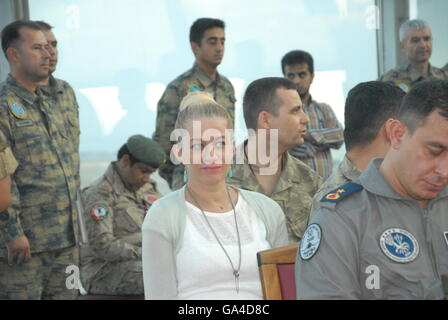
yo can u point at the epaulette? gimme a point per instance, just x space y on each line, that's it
342 192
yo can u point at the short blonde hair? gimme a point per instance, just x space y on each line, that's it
195 97
202 109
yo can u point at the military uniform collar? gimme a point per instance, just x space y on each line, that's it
291 173
415 75
202 77
242 171
52 86
373 181
348 170
114 178
119 186
21 91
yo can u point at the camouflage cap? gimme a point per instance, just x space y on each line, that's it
146 150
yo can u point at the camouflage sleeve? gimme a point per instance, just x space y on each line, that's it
8 163
10 226
99 217
167 110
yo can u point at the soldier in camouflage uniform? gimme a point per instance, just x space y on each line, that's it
114 209
8 165
416 43
62 95
270 104
369 106
39 232
207 42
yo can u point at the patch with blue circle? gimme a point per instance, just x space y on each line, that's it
399 245
17 109
310 241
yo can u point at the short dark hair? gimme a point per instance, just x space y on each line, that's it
298 57
367 108
125 151
11 33
201 25
43 25
261 95
424 98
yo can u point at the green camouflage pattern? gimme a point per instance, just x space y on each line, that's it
294 191
406 77
114 250
63 95
345 172
168 107
24 281
8 163
44 184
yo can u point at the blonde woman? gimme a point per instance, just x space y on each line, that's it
200 242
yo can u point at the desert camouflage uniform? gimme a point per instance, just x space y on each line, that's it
405 77
168 107
345 172
294 191
44 189
111 263
8 163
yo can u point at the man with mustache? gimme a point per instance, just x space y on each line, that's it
416 43
207 41
324 130
385 236
39 231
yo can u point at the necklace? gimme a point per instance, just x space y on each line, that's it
236 271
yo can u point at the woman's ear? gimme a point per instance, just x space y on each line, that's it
176 154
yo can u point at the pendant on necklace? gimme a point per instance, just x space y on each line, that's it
236 273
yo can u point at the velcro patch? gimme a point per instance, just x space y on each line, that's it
99 212
343 192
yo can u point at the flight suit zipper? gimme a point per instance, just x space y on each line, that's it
428 232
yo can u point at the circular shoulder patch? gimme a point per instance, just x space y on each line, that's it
399 245
99 212
17 109
310 241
